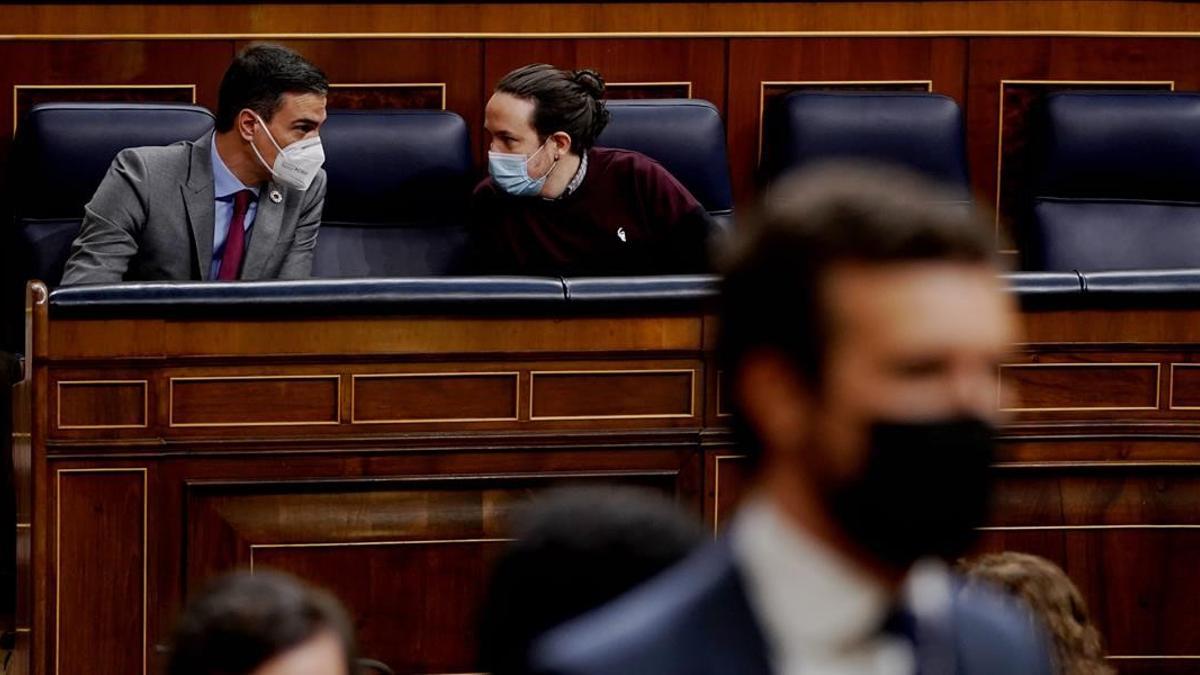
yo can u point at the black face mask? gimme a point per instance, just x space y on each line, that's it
923 491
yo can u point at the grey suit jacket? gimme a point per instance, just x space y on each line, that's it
152 219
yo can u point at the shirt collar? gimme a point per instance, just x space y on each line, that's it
225 184
812 599
577 179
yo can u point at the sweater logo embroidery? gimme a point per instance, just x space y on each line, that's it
621 233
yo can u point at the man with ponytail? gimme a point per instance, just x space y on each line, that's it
556 204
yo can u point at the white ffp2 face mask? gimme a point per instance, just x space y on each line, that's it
296 166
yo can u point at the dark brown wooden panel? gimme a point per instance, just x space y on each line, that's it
410 557
423 626
641 90
599 394
1185 386
251 400
761 65
376 96
414 96
1084 496
425 397
101 571
608 16
1080 387
108 404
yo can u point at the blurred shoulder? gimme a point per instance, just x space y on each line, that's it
997 634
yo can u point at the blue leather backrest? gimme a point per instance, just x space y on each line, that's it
399 182
920 132
63 151
686 136
1119 182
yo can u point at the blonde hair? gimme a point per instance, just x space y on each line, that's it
1054 599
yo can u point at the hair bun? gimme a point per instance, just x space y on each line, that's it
591 81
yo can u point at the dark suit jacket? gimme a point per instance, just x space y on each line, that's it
695 619
152 219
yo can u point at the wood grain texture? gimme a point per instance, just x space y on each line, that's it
503 17
101 572
1111 493
409 558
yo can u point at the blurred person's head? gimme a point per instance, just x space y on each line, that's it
263 623
575 549
862 324
539 116
271 99
1055 601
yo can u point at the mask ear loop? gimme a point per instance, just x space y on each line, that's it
553 166
254 147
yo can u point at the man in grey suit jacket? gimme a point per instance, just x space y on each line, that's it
241 203
862 328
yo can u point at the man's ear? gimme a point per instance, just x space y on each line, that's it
244 124
774 401
561 142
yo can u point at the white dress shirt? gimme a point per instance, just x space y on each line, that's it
820 613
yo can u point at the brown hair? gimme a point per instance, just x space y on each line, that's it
563 100
1054 599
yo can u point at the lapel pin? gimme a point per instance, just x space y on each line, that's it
276 197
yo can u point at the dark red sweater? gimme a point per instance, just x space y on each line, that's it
629 216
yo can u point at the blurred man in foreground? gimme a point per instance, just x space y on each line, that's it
574 550
262 624
862 329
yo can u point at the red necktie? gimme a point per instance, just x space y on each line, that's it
235 241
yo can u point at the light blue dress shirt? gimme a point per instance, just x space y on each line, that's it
225 186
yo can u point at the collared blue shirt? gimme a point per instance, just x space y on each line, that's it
225 186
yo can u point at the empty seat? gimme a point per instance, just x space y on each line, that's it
917 131
686 136
399 182
1118 186
62 152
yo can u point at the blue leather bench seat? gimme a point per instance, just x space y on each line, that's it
916 131
1119 184
64 151
686 136
399 183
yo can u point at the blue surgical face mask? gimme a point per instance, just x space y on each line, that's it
510 172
